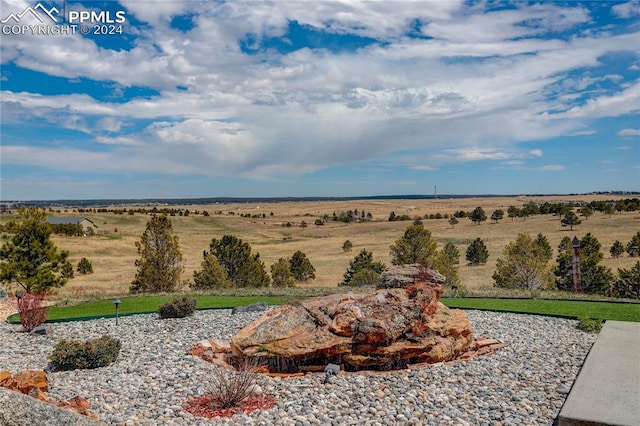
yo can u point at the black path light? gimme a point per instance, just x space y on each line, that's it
116 302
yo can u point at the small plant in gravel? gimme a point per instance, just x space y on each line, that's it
231 392
230 388
70 354
177 308
589 325
32 311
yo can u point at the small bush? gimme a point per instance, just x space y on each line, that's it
32 311
177 308
364 278
69 354
84 266
230 388
589 325
627 283
3 293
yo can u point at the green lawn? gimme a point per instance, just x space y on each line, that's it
565 308
145 304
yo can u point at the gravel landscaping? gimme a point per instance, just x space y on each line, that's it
153 379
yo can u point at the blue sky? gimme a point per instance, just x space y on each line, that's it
312 98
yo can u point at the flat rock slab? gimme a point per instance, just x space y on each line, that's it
17 409
607 390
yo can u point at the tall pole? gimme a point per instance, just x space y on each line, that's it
575 266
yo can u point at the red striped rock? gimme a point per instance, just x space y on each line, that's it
386 329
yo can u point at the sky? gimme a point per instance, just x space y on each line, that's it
183 99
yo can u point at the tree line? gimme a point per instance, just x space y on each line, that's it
30 260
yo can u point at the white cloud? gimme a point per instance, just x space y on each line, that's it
266 114
423 167
109 124
628 9
551 168
629 132
624 102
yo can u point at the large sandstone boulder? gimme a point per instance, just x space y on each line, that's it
387 329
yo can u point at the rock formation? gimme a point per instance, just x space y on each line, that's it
35 383
385 329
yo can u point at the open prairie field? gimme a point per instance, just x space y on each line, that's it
113 253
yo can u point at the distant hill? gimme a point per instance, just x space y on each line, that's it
228 200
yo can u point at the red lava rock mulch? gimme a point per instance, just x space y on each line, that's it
202 406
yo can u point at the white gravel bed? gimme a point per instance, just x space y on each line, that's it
153 378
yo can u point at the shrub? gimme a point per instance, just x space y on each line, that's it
589 325
3 293
84 266
281 274
627 283
70 354
230 388
177 308
32 311
633 246
364 277
211 275
363 261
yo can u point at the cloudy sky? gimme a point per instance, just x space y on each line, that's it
319 98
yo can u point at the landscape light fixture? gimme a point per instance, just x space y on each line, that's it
116 302
330 370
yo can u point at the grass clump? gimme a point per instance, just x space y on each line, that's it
177 308
231 388
589 325
70 354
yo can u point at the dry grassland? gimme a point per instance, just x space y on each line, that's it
113 253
